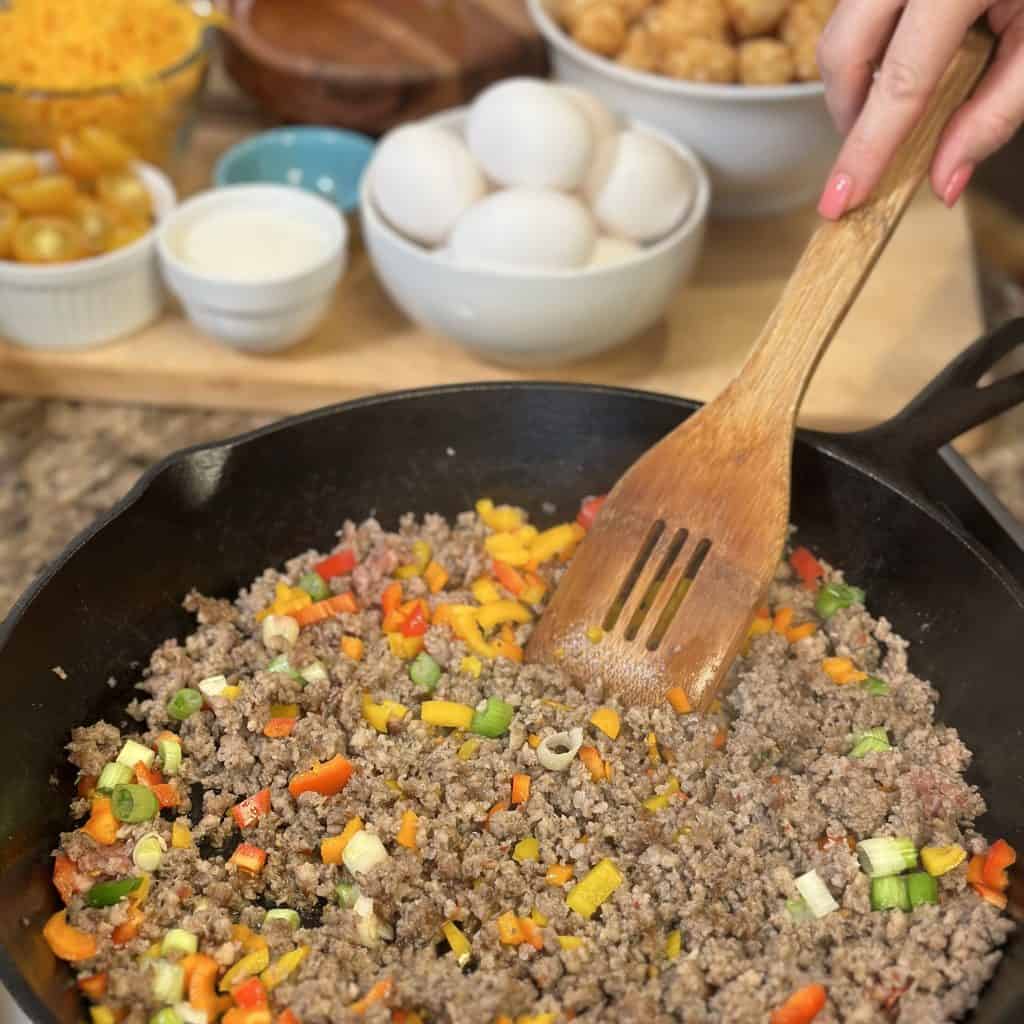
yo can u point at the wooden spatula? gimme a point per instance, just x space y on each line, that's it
663 589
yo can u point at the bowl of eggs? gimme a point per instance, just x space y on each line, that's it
735 79
533 227
78 260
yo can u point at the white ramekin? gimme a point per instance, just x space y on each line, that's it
92 301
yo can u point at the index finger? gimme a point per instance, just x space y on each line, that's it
925 41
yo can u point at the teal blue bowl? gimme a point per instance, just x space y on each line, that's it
328 162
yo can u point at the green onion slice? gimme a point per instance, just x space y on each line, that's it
282 664
876 687
921 889
833 596
177 940
149 852
869 742
346 894
425 672
494 720
168 982
816 895
113 774
133 804
213 686
886 855
286 914
315 585
798 909
314 672
106 894
132 753
184 703
169 753
166 1016
889 894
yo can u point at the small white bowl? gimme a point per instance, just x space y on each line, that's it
767 148
92 301
263 314
536 318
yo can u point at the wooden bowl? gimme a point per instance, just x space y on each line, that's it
371 64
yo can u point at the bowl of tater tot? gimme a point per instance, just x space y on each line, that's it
737 80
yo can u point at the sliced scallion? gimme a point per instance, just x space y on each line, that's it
286 914
213 686
870 742
798 909
149 852
494 720
921 889
889 894
314 673
886 855
363 852
346 894
184 703
113 774
187 1015
177 940
876 687
134 803
833 596
816 895
426 673
282 664
168 1016
133 752
556 752
168 982
106 894
169 753
315 585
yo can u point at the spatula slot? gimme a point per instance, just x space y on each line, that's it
679 592
647 601
641 560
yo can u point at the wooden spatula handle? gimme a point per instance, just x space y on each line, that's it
840 255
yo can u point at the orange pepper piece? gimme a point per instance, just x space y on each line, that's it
327 779
999 857
66 942
102 825
377 992
407 831
802 1006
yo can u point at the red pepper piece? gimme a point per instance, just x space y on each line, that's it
416 621
589 509
338 564
806 566
249 994
250 810
999 857
248 858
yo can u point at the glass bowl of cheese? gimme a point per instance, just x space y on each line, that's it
134 67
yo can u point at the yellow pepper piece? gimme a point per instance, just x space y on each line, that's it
421 554
759 627
534 740
406 572
653 753
506 548
467 629
594 888
154 951
938 860
181 836
446 713
458 942
608 721
842 671
283 966
536 1018
230 692
501 518
248 938
471 665
436 577
138 897
393 785
674 944
252 963
527 849
556 541
533 592
656 803
570 941
595 634
102 1015
378 715
286 601
538 918
468 749
495 614
486 590
284 710
405 647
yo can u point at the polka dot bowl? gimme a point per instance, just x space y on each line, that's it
328 162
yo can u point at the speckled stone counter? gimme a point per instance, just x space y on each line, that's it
63 463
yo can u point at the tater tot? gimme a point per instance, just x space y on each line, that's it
701 60
765 62
680 20
601 28
755 17
799 24
821 9
805 59
640 53
570 11
632 9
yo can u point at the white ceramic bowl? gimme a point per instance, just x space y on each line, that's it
767 148
88 302
528 318
256 315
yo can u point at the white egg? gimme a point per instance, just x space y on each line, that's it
525 229
603 123
422 180
526 132
638 187
609 250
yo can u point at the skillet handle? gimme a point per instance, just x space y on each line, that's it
949 406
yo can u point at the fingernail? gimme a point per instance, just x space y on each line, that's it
957 183
836 196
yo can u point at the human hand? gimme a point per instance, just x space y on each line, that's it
912 42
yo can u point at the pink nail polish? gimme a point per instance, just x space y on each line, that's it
957 183
836 196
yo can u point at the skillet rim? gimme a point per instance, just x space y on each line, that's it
18 987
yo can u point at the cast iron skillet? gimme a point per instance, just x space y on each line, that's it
215 516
